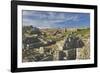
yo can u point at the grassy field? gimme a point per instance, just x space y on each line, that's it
50 44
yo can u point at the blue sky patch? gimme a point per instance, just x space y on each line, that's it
49 19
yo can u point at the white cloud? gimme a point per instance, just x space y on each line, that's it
38 23
46 19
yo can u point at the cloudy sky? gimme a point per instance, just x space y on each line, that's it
48 19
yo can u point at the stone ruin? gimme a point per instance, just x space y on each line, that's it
72 43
